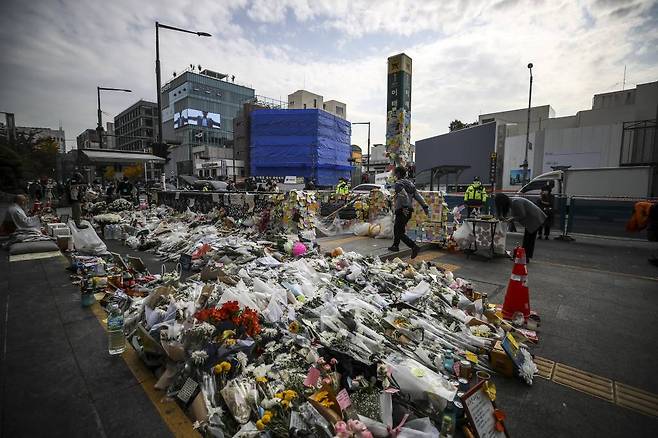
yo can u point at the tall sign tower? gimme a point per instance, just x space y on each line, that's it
398 110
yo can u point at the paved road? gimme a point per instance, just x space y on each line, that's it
597 299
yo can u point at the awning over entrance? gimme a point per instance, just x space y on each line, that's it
112 156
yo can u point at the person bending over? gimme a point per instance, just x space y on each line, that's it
526 213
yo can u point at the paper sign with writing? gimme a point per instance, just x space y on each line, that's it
312 377
343 399
480 411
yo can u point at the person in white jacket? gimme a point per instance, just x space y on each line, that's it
22 221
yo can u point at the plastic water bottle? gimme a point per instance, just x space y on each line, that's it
116 339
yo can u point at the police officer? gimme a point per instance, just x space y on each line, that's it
342 188
475 196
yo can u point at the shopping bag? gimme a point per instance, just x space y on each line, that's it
85 240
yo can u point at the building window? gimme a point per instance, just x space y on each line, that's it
315 103
638 143
339 110
324 106
304 106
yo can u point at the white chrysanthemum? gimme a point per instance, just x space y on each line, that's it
199 357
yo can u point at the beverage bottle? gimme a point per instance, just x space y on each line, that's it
116 339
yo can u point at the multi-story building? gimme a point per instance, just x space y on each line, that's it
136 127
88 139
618 130
197 116
336 108
302 99
41 133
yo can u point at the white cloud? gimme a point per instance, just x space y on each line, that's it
472 58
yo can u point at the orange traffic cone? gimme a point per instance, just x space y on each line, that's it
517 298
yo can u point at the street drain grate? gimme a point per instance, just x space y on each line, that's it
583 381
636 399
545 367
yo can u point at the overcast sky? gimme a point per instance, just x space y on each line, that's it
469 56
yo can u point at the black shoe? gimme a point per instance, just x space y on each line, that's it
414 252
394 248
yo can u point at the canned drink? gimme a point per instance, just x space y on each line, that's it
463 384
465 369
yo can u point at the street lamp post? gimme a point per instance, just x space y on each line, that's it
527 131
368 159
157 72
99 128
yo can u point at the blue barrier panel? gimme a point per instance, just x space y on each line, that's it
603 217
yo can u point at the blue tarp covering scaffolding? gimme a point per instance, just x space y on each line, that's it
311 143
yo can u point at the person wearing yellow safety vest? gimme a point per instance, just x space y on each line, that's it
475 196
342 188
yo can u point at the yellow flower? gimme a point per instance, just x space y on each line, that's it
293 327
228 334
279 395
289 394
326 403
217 369
230 342
285 403
261 379
321 395
266 418
260 425
226 366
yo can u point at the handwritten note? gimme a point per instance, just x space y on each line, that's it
481 412
343 399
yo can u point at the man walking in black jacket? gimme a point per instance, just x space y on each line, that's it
405 193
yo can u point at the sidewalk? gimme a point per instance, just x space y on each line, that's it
57 376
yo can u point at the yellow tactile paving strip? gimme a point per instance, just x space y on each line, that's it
178 423
636 399
545 367
583 381
588 383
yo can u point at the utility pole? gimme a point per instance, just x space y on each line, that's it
527 131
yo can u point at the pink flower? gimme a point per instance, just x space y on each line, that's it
333 361
326 381
321 360
327 367
341 430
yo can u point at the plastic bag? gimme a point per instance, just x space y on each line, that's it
361 229
464 235
85 240
237 394
386 224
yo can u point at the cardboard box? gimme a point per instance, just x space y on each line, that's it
500 361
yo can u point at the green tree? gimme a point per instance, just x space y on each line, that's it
456 125
43 157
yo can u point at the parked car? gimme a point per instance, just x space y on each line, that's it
367 187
